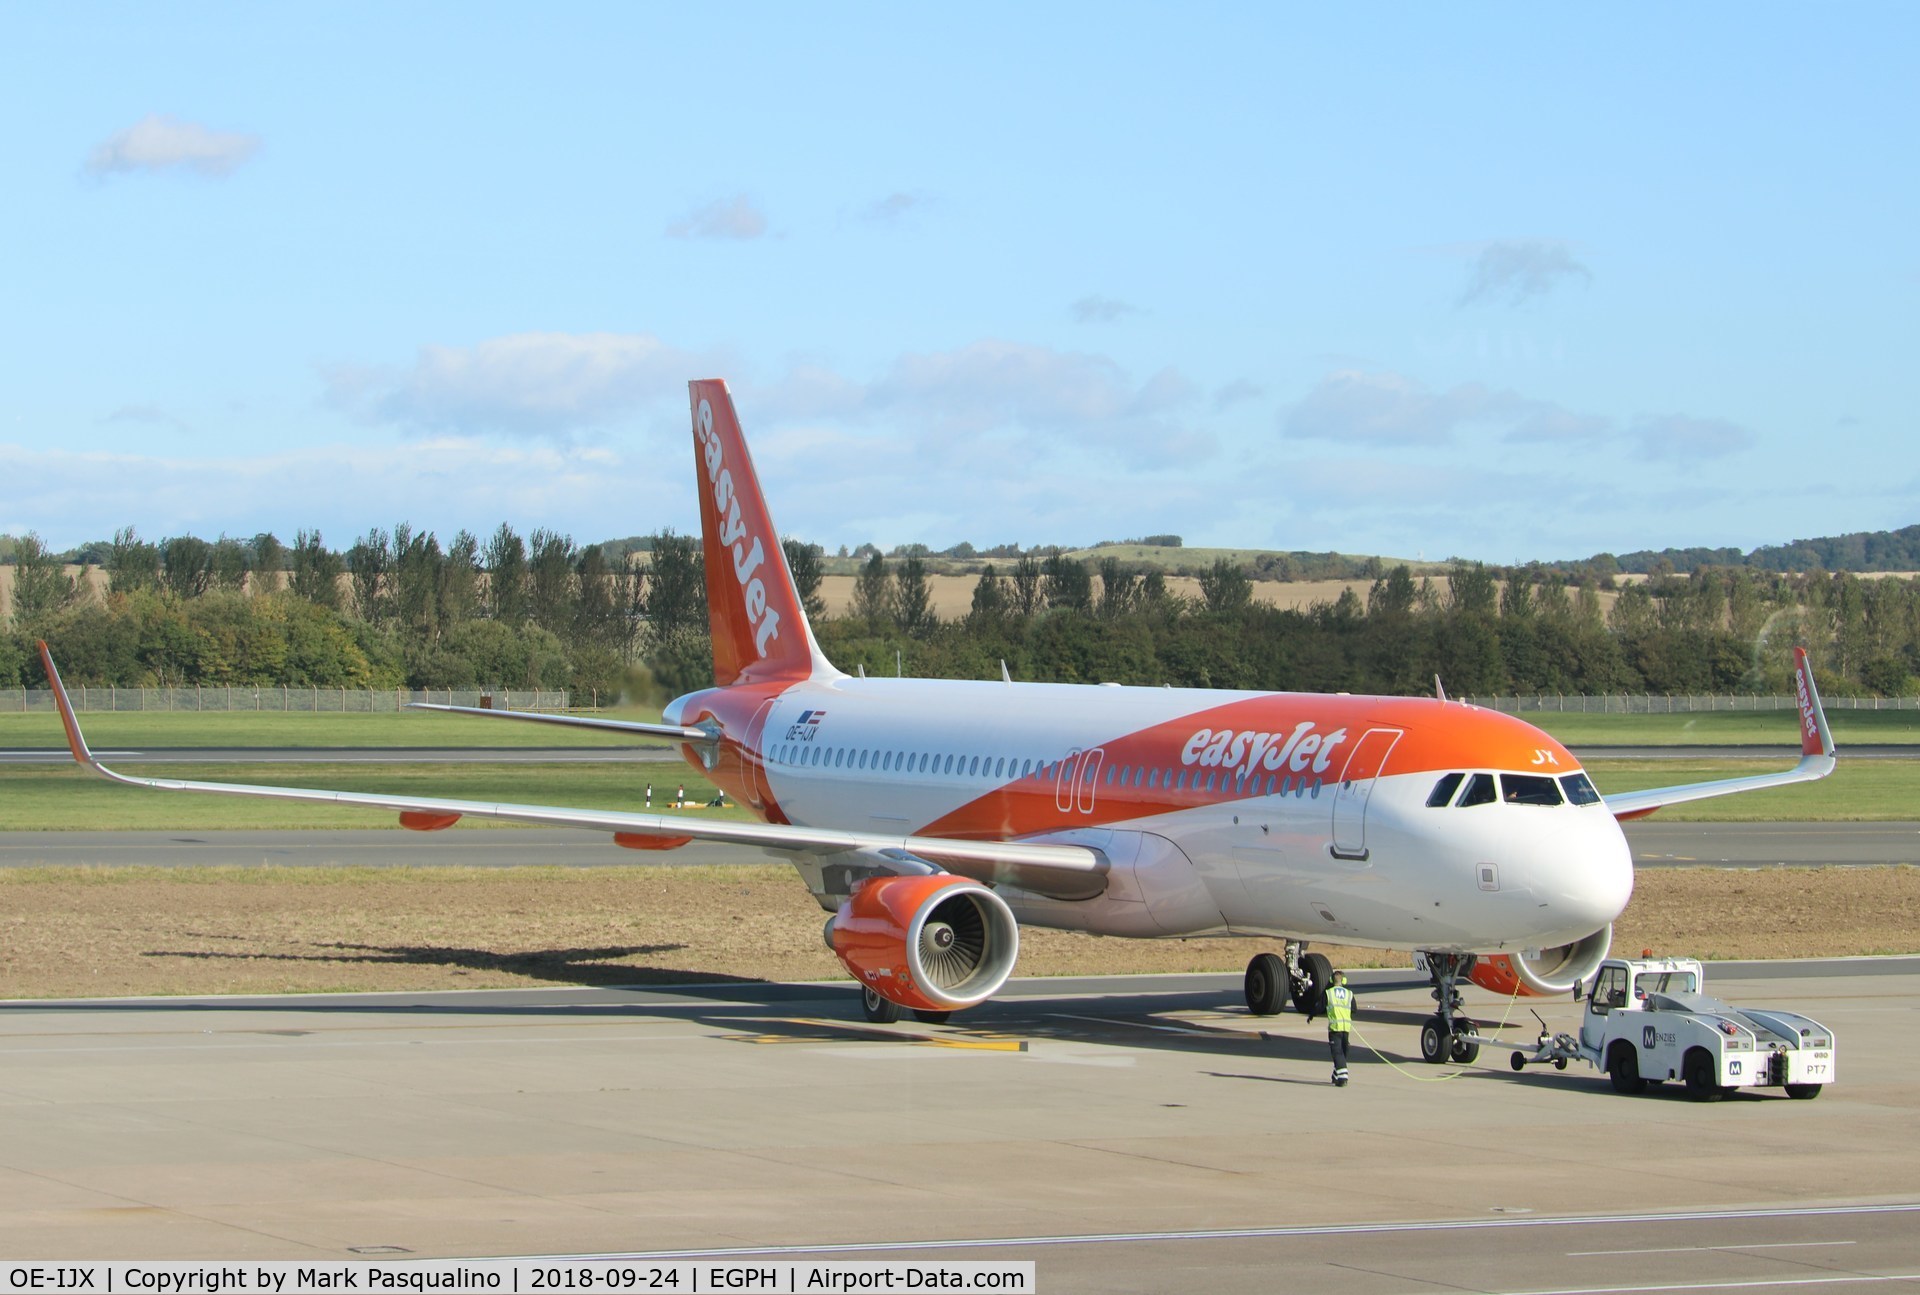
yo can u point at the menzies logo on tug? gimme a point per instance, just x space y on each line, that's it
747 558
1302 750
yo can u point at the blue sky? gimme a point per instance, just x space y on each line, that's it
1493 281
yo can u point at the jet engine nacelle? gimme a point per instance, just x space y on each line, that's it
932 943
1549 971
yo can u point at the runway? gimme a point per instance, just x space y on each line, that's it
1655 845
1140 1134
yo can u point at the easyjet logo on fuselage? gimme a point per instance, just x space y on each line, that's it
747 558
1302 750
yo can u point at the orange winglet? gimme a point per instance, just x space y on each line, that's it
75 742
415 820
641 841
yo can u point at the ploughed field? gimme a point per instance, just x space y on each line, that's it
67 932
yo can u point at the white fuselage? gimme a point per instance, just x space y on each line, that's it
1292 815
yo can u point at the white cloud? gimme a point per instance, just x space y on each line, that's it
737 217
441 485
1236 392
1095 309
1679 436
1388 409
1514 270
895 208
157 143
528 384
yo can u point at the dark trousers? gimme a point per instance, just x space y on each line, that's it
1337 1045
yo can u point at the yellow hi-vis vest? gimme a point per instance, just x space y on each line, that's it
1339 1008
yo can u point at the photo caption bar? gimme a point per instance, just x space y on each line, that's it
481 1277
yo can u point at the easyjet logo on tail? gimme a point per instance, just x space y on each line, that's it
1300 750
748 557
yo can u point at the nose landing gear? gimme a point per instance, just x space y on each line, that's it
1448 1035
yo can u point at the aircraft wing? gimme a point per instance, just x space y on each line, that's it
1033 865
1816 759
672 732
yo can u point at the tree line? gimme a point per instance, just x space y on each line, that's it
396 608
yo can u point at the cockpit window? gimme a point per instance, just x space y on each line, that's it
1443 790
1479 791
1529 789
1580 789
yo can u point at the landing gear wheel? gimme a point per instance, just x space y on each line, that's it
1464 1050
1559 1063
1623 1068
880 1009
1519 1061
1310 991
1266 984
1804 1092
1702 1084
930 1017
1434 1041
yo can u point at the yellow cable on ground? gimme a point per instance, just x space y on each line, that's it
1431 1079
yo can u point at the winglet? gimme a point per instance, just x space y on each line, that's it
1815 737
75 741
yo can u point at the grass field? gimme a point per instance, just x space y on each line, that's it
156 729
136 730
56 798
64 797
74 931
1778 728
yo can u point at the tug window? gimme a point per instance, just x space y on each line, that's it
1443 790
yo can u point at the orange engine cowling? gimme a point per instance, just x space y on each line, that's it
1550 971
933 943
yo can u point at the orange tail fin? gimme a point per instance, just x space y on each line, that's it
760 629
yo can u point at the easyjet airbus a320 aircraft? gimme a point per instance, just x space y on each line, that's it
933 817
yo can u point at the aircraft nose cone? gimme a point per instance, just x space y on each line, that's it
1585 876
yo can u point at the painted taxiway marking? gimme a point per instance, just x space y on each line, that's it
843 1032
1242 1234
1838 1279
1682 1250
1235 1036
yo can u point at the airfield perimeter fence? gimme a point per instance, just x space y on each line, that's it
1653 703
329 701
361 701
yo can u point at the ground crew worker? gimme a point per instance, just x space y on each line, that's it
1339 1025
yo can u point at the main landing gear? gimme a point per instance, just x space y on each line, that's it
1272 979
1448 1035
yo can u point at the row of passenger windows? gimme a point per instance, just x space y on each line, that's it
1001 768
1513 788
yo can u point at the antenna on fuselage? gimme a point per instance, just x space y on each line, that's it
1004 676
1439 689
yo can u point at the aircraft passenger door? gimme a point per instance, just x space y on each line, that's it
1063 781
753 757
1350 797
1088 786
